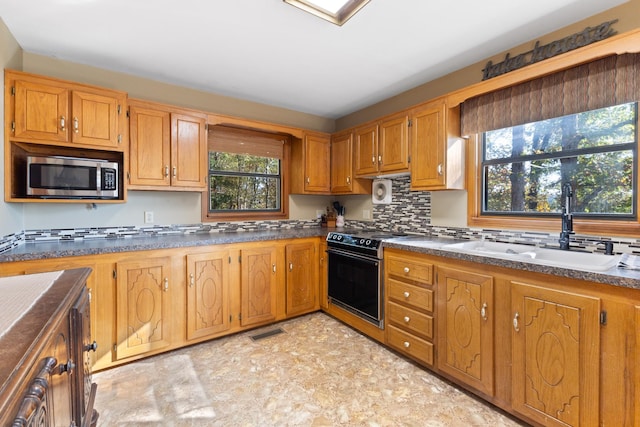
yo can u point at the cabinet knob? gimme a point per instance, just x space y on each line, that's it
406 319
483 311
406 344
192 280
76 125
91 347
63 123
440 169
67 367
348 180
274 268
516 325
380 159
290 266
373 160
308 180
406 269
166 284
406 294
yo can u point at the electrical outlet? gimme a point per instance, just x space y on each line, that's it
148 217
366 214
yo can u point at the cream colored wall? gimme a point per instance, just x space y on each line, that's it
11 220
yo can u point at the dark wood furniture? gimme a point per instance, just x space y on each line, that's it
45 377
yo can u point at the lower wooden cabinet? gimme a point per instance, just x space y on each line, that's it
409 305
301 277
258 285
465 319
208 294
143 306
556 356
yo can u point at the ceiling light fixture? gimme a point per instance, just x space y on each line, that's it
335 11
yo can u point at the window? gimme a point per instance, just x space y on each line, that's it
247 174
524 167
335 11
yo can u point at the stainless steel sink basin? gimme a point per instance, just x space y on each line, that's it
551 257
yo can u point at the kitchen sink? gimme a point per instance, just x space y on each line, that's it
418 241
545 256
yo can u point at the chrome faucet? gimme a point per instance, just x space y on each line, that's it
567 218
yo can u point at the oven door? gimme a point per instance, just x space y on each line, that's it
355 284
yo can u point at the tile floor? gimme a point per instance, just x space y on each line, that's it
319 372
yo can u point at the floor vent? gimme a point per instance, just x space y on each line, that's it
267 334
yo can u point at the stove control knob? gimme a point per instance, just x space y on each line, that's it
368 242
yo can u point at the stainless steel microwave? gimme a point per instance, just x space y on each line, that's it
72 177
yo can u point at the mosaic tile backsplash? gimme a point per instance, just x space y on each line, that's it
410 211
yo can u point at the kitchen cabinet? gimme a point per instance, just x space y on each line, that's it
465 327
51 111
437 154
409 305
324 275
208 293
258 285
310 164
343 180
556 355
43 381
301 277
383 147
168 147
143 305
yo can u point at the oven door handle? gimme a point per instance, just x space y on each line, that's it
375 262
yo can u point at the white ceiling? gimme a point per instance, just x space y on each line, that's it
270 52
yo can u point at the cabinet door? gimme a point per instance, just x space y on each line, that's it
366 150
142 306
207 294
393 148
556 354
188 151
324 276
427 148
258 285
150 146
466 327
60 382
341 163
95 119
41 111
317 159
83 348
302 277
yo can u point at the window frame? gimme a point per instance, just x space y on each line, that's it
581 225
257 215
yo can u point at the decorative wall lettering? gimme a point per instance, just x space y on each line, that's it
539 53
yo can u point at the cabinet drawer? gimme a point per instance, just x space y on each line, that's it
409 269
410 345
409 319
415 296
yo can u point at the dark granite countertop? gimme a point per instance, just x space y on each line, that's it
45 250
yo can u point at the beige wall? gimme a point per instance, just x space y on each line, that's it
10 57
628 15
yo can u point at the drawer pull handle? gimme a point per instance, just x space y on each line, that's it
406 270
406 294
192 280
175 171
274 268
407 344
75 125
166 171
62 123
406 319
516 326
166 284
483 311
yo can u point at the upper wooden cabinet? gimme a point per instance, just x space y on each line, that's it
383 147
310 164
52 111
437 154
343 180
168 148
